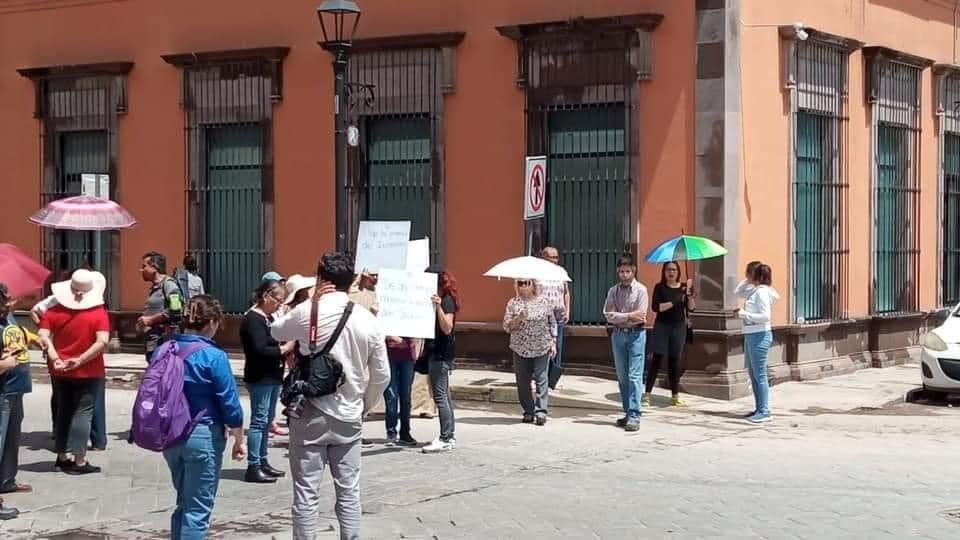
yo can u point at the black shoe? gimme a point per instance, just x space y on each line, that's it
86 468
8 513
256 475
622 422
527 419
407 440
64 464
540 420
270 471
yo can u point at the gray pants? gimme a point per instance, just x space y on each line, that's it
532 369
440 387
11 419
316 442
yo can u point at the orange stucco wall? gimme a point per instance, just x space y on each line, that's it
484 120
923 28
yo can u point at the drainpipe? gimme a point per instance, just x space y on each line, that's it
956 14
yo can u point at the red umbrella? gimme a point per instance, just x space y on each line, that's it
83 213
20 273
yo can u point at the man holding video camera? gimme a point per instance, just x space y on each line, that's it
325 430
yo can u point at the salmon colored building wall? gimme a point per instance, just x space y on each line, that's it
484 121
923 28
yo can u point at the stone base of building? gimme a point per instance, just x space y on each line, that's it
713 365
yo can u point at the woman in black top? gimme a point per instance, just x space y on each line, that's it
263 373
672 300
443 351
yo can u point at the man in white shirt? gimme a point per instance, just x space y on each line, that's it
330 428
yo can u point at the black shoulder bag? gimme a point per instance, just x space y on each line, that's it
321 373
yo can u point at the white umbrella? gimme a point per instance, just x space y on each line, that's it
528 268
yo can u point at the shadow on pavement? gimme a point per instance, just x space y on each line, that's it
491 421
607 423
724 414
39 466
37 440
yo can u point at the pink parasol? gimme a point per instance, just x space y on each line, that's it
83 213
19 272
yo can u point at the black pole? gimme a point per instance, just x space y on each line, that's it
340 144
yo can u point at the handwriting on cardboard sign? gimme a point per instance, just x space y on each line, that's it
406 309
385 238
382 244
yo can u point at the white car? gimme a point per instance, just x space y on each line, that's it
940 356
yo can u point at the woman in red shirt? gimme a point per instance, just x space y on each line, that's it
74 335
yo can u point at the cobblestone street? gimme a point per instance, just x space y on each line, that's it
887 473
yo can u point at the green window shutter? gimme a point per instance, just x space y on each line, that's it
890 181
400 172
809 194
234 213
588 194
951 219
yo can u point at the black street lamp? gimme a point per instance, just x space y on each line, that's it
338 22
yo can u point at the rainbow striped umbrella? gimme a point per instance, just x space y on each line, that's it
83 213
686 248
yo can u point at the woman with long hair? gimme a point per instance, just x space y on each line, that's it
757 338
211 390
672 300
263 373
443 350
532 325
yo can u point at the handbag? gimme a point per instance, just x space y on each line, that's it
319 373
686 308
422 365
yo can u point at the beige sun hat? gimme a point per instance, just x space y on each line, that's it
297 283
83 290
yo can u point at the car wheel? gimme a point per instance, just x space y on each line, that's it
933 395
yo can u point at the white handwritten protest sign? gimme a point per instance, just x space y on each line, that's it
382 244
418 255
405 306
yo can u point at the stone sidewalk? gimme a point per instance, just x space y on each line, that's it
864 389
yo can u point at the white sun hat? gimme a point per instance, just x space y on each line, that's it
83 290
297 283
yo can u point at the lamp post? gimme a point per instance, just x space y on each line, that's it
338 22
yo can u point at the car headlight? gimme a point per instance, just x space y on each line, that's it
934 342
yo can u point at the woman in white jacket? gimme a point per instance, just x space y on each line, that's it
757 337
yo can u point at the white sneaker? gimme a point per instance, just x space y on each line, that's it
438 446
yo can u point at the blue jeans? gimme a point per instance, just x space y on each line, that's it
98 429
629 353
195 470
397 397
263 407
755 347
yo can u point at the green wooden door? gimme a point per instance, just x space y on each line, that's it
890 271
234 213
588 200
951 219
81 152
809 192
400 172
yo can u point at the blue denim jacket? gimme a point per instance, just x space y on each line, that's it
209 384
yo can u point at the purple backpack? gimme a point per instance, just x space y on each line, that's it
161 414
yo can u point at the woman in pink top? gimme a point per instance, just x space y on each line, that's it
402 353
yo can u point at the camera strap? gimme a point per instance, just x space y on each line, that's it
336 333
